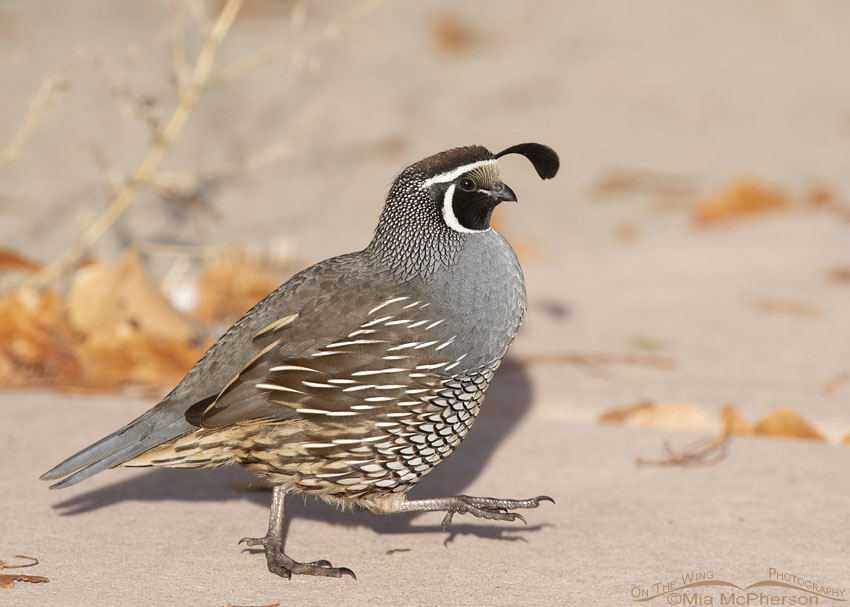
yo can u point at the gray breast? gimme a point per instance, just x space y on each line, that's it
482 297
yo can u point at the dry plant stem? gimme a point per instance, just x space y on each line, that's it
202 17
266 156
188 99
314 35
178 46
20 556
48 94
704 452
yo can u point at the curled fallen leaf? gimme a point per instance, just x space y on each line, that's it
838 275
40 347
733 422
106 294
10 260
619 182
7 580
623 414
121 354
744 197
790 307
787 423
451 35
230 284
36 339
33 563
678 417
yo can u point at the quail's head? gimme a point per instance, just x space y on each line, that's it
465 186
436 203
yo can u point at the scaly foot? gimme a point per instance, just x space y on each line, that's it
490 507
284 566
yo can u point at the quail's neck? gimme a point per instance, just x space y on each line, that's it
411 238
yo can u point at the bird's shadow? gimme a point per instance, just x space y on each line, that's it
508 401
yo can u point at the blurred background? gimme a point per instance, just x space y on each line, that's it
163 165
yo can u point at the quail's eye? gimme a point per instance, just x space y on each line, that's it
467 184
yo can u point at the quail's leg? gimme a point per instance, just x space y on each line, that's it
482 507
277 560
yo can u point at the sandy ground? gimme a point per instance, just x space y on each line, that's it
691 95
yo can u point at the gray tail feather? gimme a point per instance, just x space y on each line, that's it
145 432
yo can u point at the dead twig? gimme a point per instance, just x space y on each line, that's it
179 61
125 198
187 178
47 96
201 16
312 37
704 452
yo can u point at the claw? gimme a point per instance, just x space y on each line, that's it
447 520
517 515
544 498
252 541
346 571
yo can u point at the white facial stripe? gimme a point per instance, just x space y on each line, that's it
449 214
455 173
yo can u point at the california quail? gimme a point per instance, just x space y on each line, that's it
360 374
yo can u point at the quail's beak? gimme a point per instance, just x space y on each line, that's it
503 193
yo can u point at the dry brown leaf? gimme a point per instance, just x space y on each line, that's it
820 196
230 285
733 422
35 337
744 197
105 294
623 414
39 347
787 423
626 232
10 260
452 35
618 182
121 354
678 417
771 305
839 275
7 580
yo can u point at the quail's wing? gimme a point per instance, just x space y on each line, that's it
387 358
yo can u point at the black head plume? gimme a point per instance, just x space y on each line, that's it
544 158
